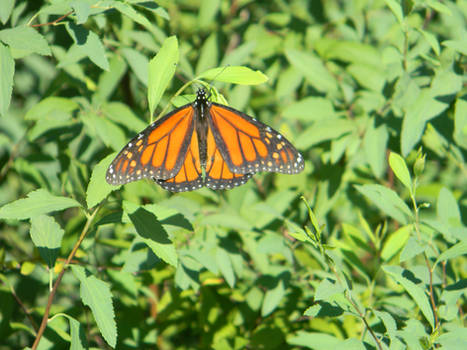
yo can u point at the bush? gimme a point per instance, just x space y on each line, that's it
365 248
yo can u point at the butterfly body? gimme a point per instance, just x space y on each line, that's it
228 145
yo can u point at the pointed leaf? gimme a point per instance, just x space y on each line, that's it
38 202
161 70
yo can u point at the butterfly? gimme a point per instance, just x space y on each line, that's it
203 144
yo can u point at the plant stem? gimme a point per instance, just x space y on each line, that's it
45 318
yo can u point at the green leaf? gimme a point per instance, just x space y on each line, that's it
447 209
310 108
411 249
272 298
207 11
122 114
50 105
209 55
460 122
323 131
38 202
138 63
6 9
417 292
313 69
7 71
110 80
82 9
386 200
431 39
398 166
152 233
453 252
78 338
396 242
225 266
374 146
234 75
111 134
327 289
311 339
47 236
429 104
24 41
370 77
98 189
96 294
238 56
396 9
459 45
161 70
89 43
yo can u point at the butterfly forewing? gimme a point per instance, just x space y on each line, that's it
158 151
249 146
189 177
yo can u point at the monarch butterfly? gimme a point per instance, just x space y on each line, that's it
203 144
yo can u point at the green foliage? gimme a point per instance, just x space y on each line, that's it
365 249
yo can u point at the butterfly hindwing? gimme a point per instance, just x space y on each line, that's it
158 151
189 177
249 146
218 174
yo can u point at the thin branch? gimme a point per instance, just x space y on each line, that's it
45 318
53 22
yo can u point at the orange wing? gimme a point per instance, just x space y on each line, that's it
248 146
156 152
189 177
218 174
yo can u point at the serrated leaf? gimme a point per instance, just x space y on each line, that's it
235 75
416 291
98 189
47 236
152 233
96 294
161 70
38 202
24 41
399 167
89 43
7 71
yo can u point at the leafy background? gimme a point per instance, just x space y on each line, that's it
372 93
